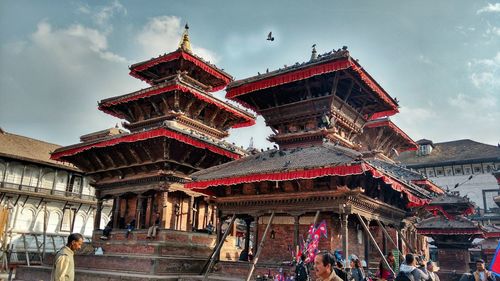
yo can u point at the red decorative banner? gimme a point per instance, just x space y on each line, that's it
160 132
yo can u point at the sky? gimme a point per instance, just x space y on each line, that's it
440 59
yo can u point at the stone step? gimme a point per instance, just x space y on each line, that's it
156 248
37 273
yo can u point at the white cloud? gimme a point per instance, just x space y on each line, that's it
485 73
102 15
490 8
162 35
56 77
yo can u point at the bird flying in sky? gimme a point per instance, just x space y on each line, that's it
270 36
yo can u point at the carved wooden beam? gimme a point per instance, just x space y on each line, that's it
148 152
122 157
166 149
156 108
189 104
110 159
212 117
166 105
199 109
131 113
176 100
186 155
349 91
97 159
136 156
197 164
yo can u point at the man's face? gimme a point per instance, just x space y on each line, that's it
320 269
76 245
480 266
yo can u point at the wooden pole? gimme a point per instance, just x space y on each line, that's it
375 243
218 247
405 241
389 237
261 244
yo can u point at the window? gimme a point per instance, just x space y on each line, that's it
458 170
449 172
439 171
477 170
488 169
467 171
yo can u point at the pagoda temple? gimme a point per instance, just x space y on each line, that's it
329 119
175 127
452 232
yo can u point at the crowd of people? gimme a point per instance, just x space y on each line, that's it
413 268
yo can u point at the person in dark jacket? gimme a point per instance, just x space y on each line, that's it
301 272
357 272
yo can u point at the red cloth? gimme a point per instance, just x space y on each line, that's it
495 263
247 121
287 175
181 54
159 132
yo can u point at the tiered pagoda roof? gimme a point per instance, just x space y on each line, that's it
154 71
458 226
381 104
331 96
176 126
302 163
173 99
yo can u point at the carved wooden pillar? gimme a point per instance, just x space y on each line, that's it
256 235
139 212
345 237
98 212
296 219
163 209
116 211
189 226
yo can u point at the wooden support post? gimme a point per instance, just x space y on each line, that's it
388 236
344 220
375 243
261 244
190 220
116 211
296 219
98 213
139 212
218 247
405 241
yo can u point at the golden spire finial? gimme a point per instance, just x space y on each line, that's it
185 44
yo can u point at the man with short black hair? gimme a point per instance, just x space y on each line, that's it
64 265
409 271
481 274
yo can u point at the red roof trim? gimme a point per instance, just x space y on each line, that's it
159 132
248 121
308 72
414 201
452 231
396 129
134 71
287 175
429 185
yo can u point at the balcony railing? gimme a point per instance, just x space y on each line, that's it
48 191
